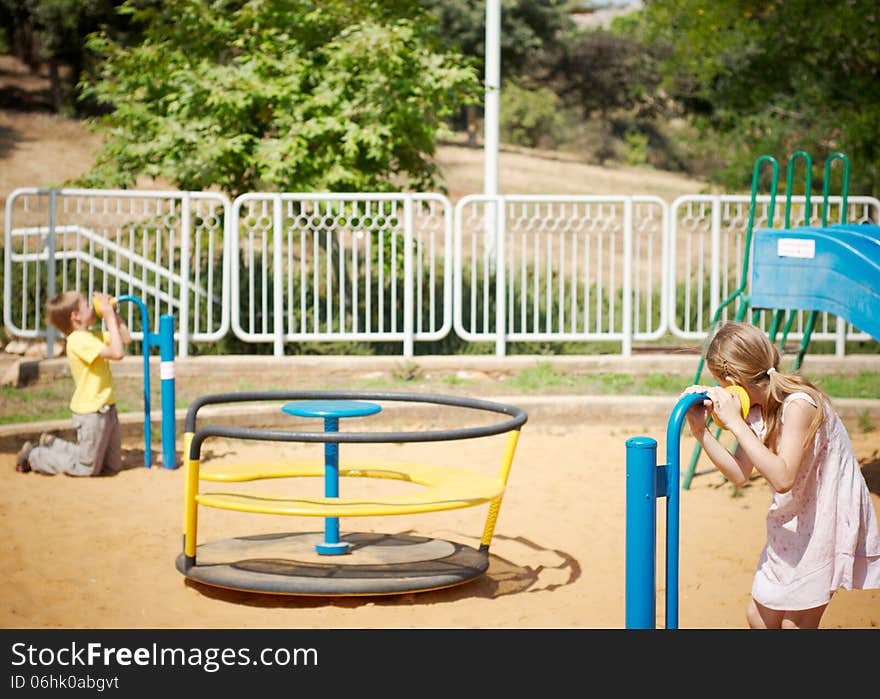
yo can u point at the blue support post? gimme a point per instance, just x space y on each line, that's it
166 373
331 544
164 340
641 532
331 411
645 482
673 475
145 347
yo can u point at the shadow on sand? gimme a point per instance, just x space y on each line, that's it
504 577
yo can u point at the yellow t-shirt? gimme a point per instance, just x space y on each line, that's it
91 371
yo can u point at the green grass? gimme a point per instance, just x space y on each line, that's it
48 398
545 378
41 401
865 384
540 377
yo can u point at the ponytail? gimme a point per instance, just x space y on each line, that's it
780 387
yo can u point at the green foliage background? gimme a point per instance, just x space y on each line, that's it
275 95
335 95
773 76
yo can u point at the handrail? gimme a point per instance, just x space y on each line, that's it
518 416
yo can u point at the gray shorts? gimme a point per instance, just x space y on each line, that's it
97 451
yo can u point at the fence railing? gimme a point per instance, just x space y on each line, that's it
168 248
361 267
575 268
290 267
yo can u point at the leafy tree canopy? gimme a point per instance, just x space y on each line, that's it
291 95
53 32
602 70
528 28
36 30
776 76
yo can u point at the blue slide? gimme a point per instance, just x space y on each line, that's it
835 269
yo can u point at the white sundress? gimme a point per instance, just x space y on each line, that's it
822 535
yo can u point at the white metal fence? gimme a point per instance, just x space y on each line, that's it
167 248
358 267
293 268
576 268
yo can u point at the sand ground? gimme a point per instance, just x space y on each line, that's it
99 553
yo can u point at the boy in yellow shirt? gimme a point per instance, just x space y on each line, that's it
98 447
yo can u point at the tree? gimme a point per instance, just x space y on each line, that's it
775 77
342 95
52 32
598 72
530 32
527 27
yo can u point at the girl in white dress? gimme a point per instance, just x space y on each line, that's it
822 531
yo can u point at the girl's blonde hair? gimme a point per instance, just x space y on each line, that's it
59 308
744 353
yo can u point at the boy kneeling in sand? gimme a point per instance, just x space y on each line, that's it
98 448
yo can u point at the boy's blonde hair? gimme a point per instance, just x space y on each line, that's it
59 308
744 353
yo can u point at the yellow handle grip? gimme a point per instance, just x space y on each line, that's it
744 403
98 313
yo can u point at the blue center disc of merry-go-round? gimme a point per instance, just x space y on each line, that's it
331 408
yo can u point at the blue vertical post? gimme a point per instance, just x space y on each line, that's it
145 348
331 411
331 543
645 482
165 341
673 474
641 532
166 374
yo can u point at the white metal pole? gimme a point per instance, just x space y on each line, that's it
715 258
498 206
408 278
186 235
278 283
493 84
627 320
490 141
